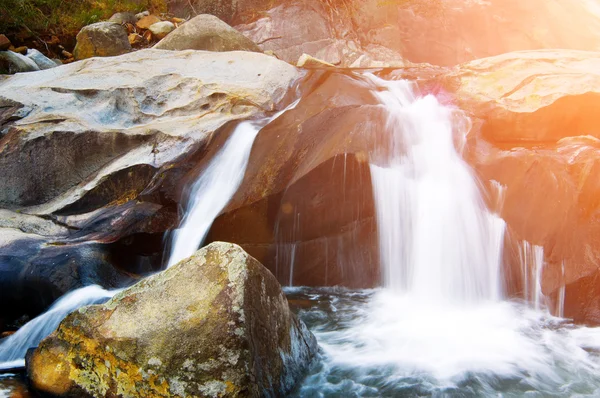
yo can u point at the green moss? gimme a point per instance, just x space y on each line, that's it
66 17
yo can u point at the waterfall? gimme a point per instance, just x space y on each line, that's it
215 187
437 238
14 347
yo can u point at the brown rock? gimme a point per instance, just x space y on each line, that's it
306 61
136 40
102 39
215 324
5 44
147 21
21 50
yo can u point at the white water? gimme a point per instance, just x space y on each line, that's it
438 240
440 326
14 348
215 187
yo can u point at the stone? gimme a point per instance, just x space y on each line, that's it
40 59
123 18
147 21
161 29
136 40
102 39
206 32
5 44
215 324
12 62
306 61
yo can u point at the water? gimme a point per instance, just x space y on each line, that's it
381 343
14 347
215 187
440 326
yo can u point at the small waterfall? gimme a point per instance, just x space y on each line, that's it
532 261
14 347
437 238
215 187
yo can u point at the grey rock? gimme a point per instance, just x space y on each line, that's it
123 18
102 39
161 29
40 59
206 32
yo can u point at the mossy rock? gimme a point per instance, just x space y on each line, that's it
214 325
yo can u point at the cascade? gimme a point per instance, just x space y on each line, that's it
437 238
215 187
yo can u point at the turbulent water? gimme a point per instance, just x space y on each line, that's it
440 326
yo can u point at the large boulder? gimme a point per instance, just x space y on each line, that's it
102 39
215 324
103 148
206 32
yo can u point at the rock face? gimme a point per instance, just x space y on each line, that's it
206 32
216 324
102 39
102 148
440 32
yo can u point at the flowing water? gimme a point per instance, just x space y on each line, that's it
14 348
215 187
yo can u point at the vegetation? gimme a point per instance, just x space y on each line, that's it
65 17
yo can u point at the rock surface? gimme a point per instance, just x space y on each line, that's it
206 32
215 324
102 39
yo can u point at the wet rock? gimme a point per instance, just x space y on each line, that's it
12 62
102 39
41 60
161 29
5 44
206 32
147 21
215 324
123 18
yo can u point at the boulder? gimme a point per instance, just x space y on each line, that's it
40 59
215 324
116 140
206 32
4 43
12 62
123 18
306 61
161 29
102 39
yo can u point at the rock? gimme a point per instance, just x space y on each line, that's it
215 324
115 139
141 15
136 40
306 61
5 44
161 29
102 39
21 50
41 60
206 32
123 18
147 21
12 62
